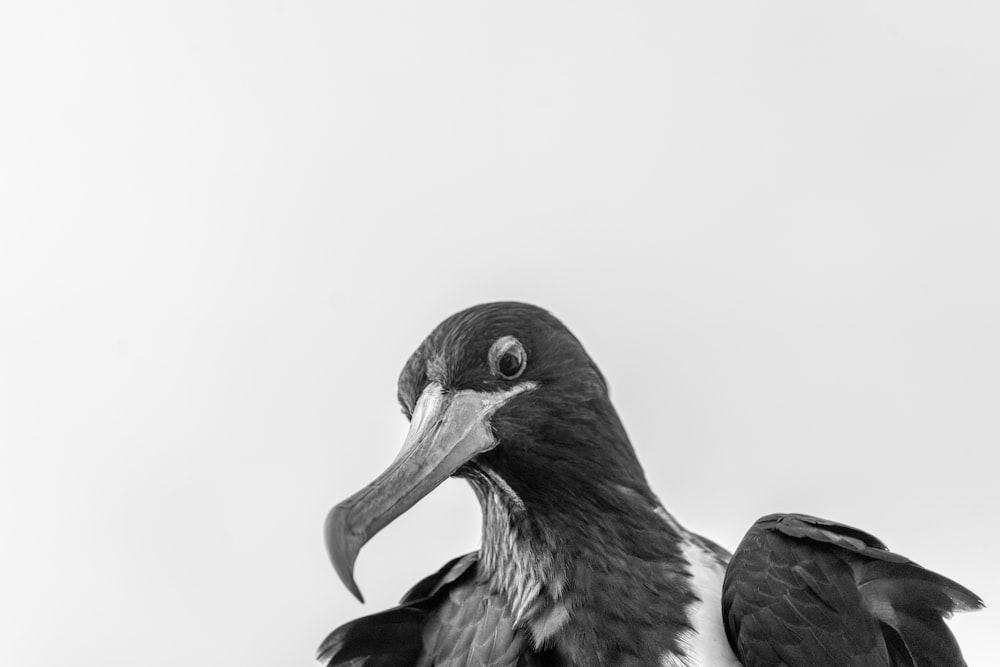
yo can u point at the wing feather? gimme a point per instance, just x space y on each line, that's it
806 591
449 619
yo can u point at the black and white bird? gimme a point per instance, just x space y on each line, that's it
580 564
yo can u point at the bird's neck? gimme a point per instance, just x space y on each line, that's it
606 579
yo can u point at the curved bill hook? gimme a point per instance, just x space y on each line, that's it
446 431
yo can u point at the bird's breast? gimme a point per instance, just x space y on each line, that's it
705 644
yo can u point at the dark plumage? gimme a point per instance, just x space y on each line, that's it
579 563
449 615
801 590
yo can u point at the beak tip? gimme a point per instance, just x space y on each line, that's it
343 545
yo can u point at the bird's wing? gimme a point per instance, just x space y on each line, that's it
448 619
806 591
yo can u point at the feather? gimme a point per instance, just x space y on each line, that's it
448 619
806 591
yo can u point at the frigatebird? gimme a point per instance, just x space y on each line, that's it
580 564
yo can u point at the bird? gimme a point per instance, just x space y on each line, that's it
580 563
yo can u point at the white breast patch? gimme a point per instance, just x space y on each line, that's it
706 645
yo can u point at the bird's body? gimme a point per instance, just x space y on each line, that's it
476 621
580 564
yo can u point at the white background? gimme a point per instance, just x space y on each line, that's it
226 225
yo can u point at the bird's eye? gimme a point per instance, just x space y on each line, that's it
508 358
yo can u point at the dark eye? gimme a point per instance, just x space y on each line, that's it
508 358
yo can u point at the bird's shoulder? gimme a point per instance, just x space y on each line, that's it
801 590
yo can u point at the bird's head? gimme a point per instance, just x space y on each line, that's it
502 393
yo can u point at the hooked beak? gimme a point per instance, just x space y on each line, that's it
446 431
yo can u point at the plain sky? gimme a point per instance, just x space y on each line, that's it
224 227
